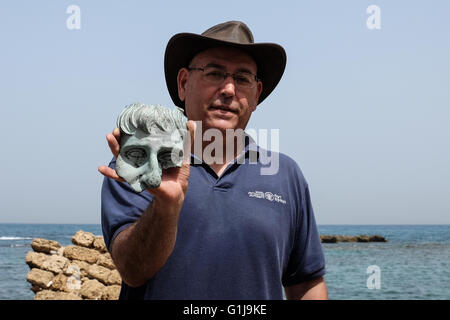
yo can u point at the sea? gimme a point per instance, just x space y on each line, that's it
414 263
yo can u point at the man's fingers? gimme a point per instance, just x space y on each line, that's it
192 126
188 143
113 144
116 133
110 173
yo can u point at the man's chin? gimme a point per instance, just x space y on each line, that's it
220 124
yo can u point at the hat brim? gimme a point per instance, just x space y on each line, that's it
270 59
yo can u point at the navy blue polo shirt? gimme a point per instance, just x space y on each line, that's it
242 235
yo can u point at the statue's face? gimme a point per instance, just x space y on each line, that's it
143 156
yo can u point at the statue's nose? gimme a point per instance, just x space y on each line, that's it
151 180
152 177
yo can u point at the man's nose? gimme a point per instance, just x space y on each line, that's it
228 87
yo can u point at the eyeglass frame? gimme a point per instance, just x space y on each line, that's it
227 74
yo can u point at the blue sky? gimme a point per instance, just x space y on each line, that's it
363 112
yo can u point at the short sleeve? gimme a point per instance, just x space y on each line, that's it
120 206
307 260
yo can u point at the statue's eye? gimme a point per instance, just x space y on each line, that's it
165 156
170 157
137 156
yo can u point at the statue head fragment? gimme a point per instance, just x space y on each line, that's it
151 139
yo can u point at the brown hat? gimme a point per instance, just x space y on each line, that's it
270 58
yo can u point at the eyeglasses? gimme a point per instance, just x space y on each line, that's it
217 76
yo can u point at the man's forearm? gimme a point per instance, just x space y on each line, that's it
142 249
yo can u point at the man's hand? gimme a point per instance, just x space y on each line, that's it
174 181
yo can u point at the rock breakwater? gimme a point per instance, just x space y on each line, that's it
360 238
82 271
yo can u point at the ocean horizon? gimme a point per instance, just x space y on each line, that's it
413 264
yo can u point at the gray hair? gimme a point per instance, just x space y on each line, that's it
150 119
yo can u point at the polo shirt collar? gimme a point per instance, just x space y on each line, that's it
251 151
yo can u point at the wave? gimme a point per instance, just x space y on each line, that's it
13 245
15 238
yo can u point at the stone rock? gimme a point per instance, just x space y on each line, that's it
81 253
35 288
363 238
55 264
40 278
105 260
328 239
346 238
377 238
99 244
114 278
44 245
92 289
77 267
60 251
100 273
83 265
35 259
59 283
111 293
72 269
53 295
83 239
73 283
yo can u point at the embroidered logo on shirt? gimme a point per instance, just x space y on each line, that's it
266 195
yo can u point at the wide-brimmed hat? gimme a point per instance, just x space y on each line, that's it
270 58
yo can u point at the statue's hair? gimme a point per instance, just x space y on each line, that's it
150 119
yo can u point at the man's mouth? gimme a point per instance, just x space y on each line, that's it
223 108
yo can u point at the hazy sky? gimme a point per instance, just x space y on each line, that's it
365 113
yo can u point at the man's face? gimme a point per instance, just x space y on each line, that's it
220 106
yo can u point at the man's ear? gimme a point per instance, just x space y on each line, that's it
258 93
181 81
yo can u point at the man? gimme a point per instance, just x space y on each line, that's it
206 232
